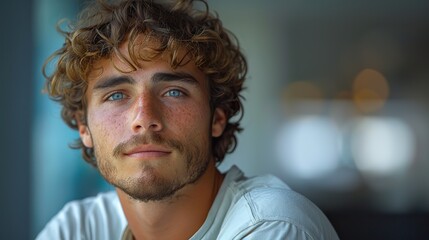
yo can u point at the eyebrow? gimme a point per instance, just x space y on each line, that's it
176 76
157 77
113 81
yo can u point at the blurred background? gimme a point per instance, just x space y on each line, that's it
336 105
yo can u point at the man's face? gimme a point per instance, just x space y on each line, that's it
151 129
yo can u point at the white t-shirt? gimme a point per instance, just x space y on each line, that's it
245 208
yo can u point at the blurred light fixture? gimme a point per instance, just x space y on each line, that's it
382 146
303 98
309 147
370 90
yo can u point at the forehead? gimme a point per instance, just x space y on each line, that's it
140 54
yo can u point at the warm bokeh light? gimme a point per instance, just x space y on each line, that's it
302 90
382 146
303 97
310 147
370 90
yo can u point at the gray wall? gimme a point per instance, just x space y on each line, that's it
16 78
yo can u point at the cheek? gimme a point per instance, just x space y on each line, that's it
189 120
106 127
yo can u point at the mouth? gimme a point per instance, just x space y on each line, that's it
147 151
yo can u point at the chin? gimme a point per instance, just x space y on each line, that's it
150 188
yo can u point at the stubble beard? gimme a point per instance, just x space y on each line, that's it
151 186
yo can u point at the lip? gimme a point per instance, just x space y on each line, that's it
147 151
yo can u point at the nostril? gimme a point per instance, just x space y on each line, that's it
153 125
137 127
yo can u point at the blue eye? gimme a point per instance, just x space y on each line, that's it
116 96
174 93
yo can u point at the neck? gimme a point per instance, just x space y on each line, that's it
177 218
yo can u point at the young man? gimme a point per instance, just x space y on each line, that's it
152 89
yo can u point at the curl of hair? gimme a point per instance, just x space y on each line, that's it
103 26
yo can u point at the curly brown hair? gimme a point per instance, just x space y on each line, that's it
103 26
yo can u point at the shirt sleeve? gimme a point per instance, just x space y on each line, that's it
99 217
278 230
277 214
64 226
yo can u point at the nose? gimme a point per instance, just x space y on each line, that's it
147 115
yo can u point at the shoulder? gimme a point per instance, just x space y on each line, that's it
98 217
274 200
265 205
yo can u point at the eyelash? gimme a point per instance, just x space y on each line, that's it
110 97
123 96
181 93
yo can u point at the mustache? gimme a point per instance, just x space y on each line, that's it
149 138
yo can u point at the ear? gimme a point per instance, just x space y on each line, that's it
219 122
85 134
